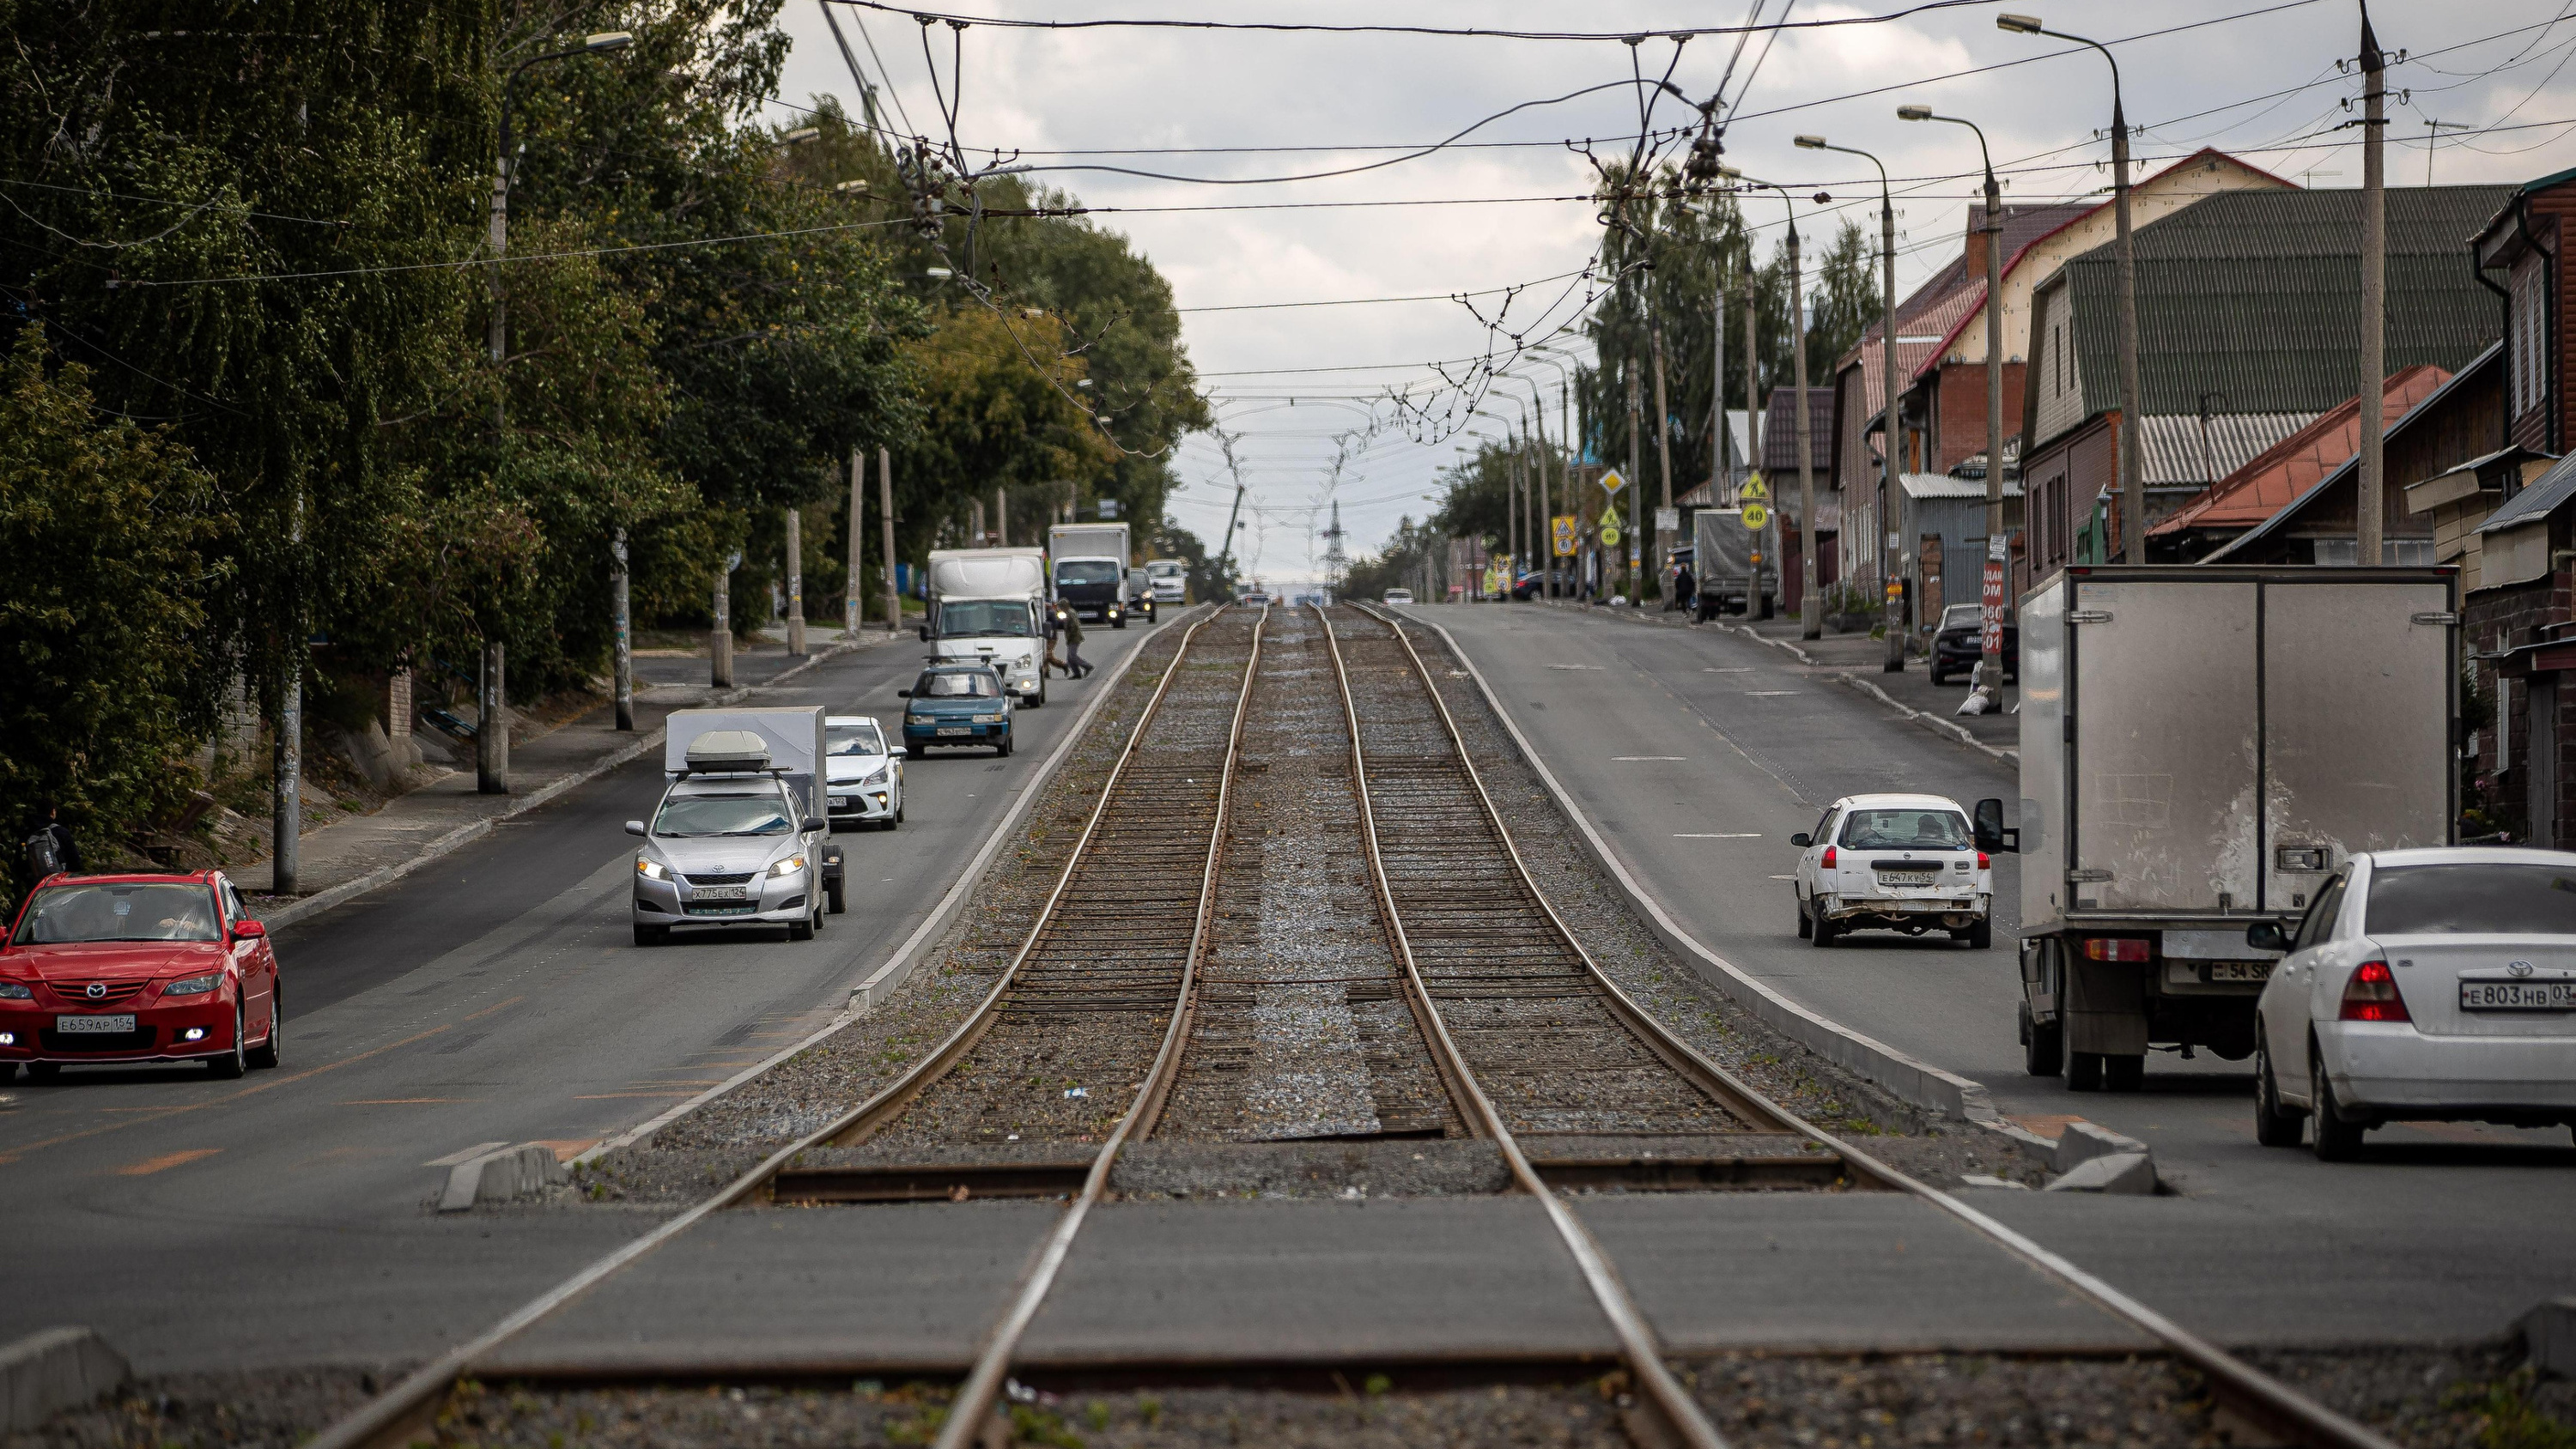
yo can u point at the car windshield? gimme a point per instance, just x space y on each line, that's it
1959 616
2446 900
844 741
1086 571
161 912
955 684
1008 617
1912 828
1166 570
703 815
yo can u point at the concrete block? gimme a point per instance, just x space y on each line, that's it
1989 1180
511 1172
60 1368
2083 1141
2121 1172
2549 1337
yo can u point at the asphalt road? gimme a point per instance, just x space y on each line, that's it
1699 752
493 998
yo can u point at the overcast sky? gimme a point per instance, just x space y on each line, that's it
2499 65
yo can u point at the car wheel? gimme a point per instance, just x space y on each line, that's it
1822 931
651 935
1002 751
2274 1124
230 1064
2124 1073
1940 676
839 895
2084 1071
2336 1140
267 1053
1806 927
802 930
1981 936
2043 1047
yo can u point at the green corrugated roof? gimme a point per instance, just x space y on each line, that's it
2257 295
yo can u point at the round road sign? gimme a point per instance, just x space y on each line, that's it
1755 515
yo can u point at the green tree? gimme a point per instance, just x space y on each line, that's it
109 533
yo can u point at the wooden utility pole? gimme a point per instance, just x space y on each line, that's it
795 582
885 522
852 616
1663 554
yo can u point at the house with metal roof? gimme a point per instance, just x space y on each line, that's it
2282 475
2248 303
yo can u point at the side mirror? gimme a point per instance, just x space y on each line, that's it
1802 840
248 930
1988 827
2267 936
924 631
635 827
817 825
903 694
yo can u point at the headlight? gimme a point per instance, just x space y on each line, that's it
651 869
789 866
14 991
988 719
878 778
193 985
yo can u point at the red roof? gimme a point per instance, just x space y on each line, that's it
2283 473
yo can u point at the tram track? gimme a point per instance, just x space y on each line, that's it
1143 979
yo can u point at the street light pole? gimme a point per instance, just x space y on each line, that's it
2374 296
1990 673
2133 493
492 730
1811 609
1890 501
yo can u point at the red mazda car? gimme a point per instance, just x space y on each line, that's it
137 968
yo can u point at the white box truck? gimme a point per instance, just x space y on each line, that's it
2202 747
988 605
1089 569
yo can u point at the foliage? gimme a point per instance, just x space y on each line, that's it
106 530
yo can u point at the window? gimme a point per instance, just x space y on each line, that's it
157 912
703 815
2431 900
955 684
842 741
2528 363
2319 921
1086 571
1905 829
1008 618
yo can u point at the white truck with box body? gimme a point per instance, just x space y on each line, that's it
1089 569
2202 747
987 606
1736 569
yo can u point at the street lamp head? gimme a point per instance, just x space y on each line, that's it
608 40
1913 113
2018 24
937 274
801 135
1811 143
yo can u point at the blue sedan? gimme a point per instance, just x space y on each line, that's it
956 704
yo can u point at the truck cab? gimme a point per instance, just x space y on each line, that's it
987 606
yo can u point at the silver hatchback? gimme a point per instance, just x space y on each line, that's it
727 850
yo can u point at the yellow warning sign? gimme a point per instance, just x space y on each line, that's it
1754 490
1610 535
1563 527
1755 516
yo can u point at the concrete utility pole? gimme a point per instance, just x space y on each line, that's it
1001 519
625 668
795 582
492 725
852 616
286 749
1636 422
1811 609
1721 479
885 523
1565 463
2133 488
2374 296
720 637
1891 499
1663 460
1998 547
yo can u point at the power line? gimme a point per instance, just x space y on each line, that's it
1628 37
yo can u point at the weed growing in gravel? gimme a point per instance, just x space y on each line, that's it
2507 1418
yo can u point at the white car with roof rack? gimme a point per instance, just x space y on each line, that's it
2436 983
1910 863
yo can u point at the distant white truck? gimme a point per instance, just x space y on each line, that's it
1170 579
987 606
1090 570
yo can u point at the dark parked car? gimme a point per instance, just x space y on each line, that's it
1533 583
1955 647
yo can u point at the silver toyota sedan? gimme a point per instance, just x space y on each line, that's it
727 850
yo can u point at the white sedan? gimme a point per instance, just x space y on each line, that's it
2433 984
1908 863
864 778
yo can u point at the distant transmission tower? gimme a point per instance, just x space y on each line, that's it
1337 563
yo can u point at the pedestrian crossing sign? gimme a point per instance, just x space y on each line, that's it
1562 526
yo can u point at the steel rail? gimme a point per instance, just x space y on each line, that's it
974 1400
386 1420
1681 1414
2268 1402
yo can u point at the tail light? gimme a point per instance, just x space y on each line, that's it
1828 862
1982 862
2115 948
2371 995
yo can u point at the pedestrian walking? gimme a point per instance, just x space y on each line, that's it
1073 646
1685 589
1054 628
51 848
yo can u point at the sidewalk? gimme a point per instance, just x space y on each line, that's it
353 856
1854 660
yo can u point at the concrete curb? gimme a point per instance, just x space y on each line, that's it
500 1176
644 744
55 1369
872 989
1917 1082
